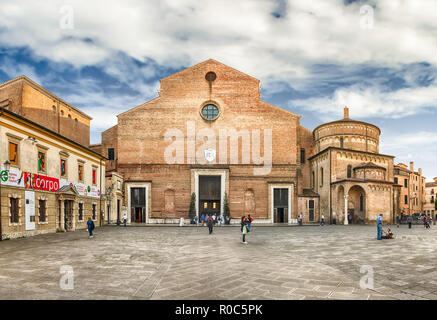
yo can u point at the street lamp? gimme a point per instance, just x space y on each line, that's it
7 166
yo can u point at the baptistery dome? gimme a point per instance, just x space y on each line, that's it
347 133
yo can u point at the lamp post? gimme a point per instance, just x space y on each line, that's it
3 177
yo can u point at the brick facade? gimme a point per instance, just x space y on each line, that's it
311 166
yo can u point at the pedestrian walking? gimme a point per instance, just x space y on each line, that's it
244 228
379 226
125 219
322 221
210 224
249 223
90 224
300 218
409 220
398 221
202 218
426 222
220 220
214 219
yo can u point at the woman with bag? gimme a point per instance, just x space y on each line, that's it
244 228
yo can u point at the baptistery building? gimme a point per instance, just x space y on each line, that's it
208 144
354 180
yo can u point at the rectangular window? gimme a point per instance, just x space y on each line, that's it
80 214
94 176
41 161
321 177
396 180
302 155
406 199
80 172
14 210
63 167
94 211
405 183
42 210
13 153
111 154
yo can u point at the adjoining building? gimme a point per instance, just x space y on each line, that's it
430 198
49 182
412 185
209 134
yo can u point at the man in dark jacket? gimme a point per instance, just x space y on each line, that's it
90 225
210 224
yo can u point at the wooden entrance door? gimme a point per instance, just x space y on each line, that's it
209 195
139 215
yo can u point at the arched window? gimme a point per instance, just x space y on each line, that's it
169 200
341 143
249 202
313 180
349 171
321 177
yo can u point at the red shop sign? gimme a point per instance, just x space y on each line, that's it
35 181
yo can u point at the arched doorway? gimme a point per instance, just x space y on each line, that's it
357 205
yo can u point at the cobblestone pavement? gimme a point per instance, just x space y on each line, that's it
309 262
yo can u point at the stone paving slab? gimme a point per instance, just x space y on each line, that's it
297 263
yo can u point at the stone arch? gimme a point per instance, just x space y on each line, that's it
357 204
249 202
340 203
169 201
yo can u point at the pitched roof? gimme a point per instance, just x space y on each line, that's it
369 165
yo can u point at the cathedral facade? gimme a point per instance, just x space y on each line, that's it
209 137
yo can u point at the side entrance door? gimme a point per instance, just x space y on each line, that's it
30 209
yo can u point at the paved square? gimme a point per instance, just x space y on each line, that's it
309 262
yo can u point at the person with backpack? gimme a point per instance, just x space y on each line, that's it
249 223
244 228
91 226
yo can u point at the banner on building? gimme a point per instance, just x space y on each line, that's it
82 189
38 182
11 178
18 178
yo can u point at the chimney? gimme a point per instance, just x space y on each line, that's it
411 166
420 171
346 112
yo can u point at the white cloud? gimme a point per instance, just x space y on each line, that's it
372 102
240 33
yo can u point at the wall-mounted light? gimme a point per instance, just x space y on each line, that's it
31 139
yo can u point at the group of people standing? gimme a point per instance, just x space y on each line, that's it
210 220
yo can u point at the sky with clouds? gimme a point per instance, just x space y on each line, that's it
313 57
